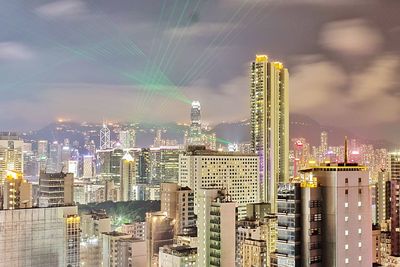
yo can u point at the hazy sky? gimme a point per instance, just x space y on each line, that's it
145 60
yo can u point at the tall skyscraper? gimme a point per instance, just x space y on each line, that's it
269 101
54 163
395 203
105 137
128 177
195 136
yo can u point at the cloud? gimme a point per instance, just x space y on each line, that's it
353 37
62 9
15 51
323 90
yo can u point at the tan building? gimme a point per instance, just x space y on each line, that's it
56 189
178 203
17 192
376 243
11 154
254 253
159 232
110 248
136 229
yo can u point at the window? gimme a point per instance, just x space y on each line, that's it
360 191
359 244
359 230
359 258
346 260
346 180
346 247
359 203
346 204
346 191
346 218
346 232
359 180
359 217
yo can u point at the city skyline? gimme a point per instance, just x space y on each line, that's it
106 68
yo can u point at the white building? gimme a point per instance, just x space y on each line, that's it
88 167
135 229
216 228
236 172
177 256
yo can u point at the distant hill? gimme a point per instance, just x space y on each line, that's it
236 132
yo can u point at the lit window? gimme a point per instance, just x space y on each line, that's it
359 230
359 203
346 232
346 204
346 247
346 219
346 260
359 258
359 244
359 217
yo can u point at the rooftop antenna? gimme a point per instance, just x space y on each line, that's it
345 150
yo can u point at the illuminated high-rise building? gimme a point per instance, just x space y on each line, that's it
88 167
11 154
105 137
16 192
395 203
195 137
128 177
269 101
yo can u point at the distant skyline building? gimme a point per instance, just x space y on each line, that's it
128 178
269 101
394 159
105 137
56 189
195 124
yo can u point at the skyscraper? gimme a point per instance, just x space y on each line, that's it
105 138
395 203
195 137
269 101
128 177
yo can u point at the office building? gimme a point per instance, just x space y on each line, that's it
16 192
110 248
178 203
89 170
136 229
49 237
105 137
11 154
54 163
164 164
238 173
382 196
346 215
269 101
159 232
128 178
56 189
394 159
131 252
216 228
95 223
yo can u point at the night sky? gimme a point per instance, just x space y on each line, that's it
146 60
